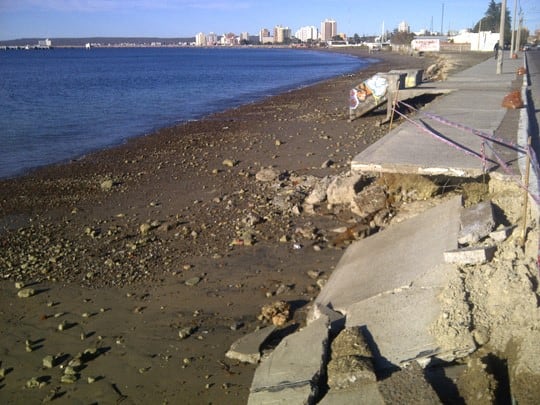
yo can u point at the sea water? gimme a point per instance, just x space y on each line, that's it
59 104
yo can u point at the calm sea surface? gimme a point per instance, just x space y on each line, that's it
62 103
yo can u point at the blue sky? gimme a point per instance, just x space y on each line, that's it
182 18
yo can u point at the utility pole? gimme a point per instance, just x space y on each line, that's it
501 38
513 48
479 32
518 42
442 19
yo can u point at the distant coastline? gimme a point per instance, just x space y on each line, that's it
130 42
105 41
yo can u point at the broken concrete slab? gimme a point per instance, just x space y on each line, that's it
477 222
398 325
297 363
470 255
394 258
247 349
367 393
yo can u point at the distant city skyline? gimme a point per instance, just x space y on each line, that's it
187 18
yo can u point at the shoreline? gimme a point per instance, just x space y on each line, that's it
256 97
131 245
41 171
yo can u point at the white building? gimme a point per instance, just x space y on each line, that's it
229 39
200 39
46 43
328 30
244 36
480 41
211 39
305 34
404 27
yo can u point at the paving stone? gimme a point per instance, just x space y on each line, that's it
477 222
472 255
247 348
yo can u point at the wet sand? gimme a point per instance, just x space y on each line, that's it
127 246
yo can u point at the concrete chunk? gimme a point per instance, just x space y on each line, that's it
369 201
336 320
247 348
500 235
352 360
476 223
350 342
472 255
342 189
297 362
347 371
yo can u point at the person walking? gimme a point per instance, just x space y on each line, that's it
496 50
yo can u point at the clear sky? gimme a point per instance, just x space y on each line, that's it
185 18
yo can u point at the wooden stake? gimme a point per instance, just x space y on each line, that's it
526 195
394 102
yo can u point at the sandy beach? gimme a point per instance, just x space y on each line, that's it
128 248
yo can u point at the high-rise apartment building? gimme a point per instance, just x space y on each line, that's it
281 34
265 37
244 36
305 34
200 39
211 39
328 30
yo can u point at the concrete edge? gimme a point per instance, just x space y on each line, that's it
522 137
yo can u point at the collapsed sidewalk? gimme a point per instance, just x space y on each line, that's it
406 291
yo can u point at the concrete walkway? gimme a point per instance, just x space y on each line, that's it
475 103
